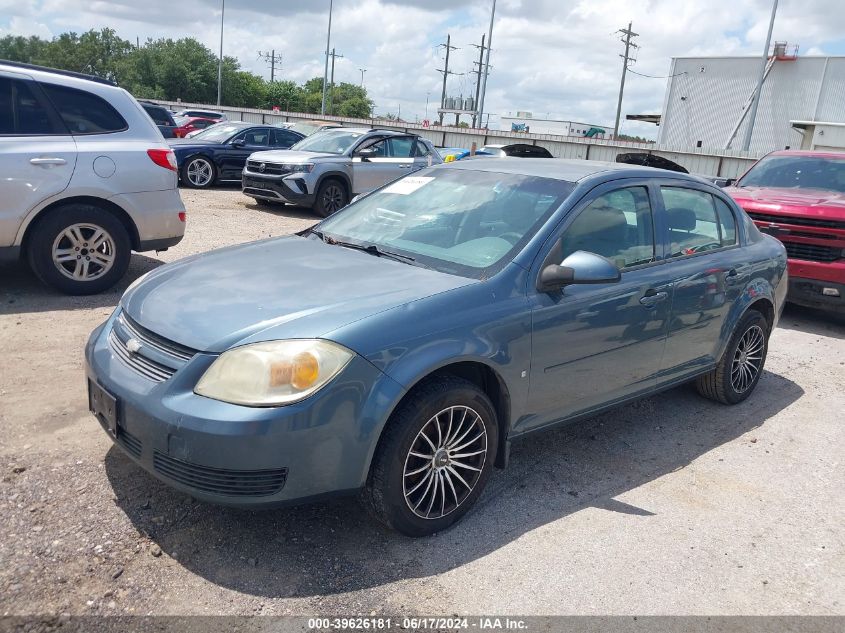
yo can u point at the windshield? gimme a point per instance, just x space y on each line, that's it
218 133
797 172
464 222
329 141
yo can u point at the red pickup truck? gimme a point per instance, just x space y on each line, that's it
799 197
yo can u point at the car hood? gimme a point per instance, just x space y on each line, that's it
289 156
289 287
811 202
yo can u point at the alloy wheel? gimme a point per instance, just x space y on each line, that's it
333 198
84 252
444 462
200 172
747 359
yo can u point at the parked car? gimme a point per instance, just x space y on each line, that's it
187 124
327 169
87 178
799 197
457 152
650 160
219 153
307 128
399 347
162 117
206 114
517 150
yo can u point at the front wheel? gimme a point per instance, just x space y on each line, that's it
331 198
198 173
738 371
434 458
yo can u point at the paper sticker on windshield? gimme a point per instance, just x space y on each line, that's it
408 185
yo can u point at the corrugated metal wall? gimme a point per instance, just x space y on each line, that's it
705 98
727 164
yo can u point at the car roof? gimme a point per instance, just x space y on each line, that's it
56 71
366 130
570 170
807 152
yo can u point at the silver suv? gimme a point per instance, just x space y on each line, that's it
86 178
326 170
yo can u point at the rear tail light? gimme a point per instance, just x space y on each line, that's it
183 216
163 158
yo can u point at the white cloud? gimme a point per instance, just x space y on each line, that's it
549 56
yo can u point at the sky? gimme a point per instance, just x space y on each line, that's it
557 58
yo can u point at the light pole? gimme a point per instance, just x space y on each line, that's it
363 70
220 61
427 95
326 69
480 104
746 143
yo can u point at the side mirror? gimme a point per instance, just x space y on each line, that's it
730 182
239 142
366 153
581 267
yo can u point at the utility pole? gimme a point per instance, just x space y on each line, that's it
331 81
220 60
446 72
363 70
480 105
271 58
326 68
427 95
752 115
480 63
628 33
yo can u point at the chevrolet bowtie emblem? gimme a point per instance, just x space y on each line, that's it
133 345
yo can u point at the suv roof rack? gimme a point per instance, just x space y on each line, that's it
56 71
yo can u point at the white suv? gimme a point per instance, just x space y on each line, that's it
86 178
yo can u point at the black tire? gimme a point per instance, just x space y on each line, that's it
195 162
385 493
728 383
332 196
51 231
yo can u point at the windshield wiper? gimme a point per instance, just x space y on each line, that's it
372 249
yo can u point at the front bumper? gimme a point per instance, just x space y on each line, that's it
811 293
215 451
290 189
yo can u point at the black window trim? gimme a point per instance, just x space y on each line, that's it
120 116
55 119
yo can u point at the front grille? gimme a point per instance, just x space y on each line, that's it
221 481
131 443
148 368
812 252
150 339
270 169
797 220
255 191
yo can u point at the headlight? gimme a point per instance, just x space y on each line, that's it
297 169
272 373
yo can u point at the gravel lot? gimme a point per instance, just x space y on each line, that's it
672 505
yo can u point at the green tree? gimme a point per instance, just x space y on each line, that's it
286 95
17 48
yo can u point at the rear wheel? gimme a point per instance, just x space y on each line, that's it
740 367
434 458
79 249
198 172
331 197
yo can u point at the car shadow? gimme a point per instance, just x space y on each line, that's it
283 210
334 547
22 292
812 321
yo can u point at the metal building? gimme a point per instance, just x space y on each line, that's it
707 99
527 122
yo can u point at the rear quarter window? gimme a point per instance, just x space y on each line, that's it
84 112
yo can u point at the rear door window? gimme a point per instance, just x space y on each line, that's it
23 112
691 220
401 146
84 112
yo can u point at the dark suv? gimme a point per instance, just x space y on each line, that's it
161 116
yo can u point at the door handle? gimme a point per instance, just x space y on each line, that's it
652 297
47 162
405 166
731 277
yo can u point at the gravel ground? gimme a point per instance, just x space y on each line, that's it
671 505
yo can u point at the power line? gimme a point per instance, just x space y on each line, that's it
657 76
